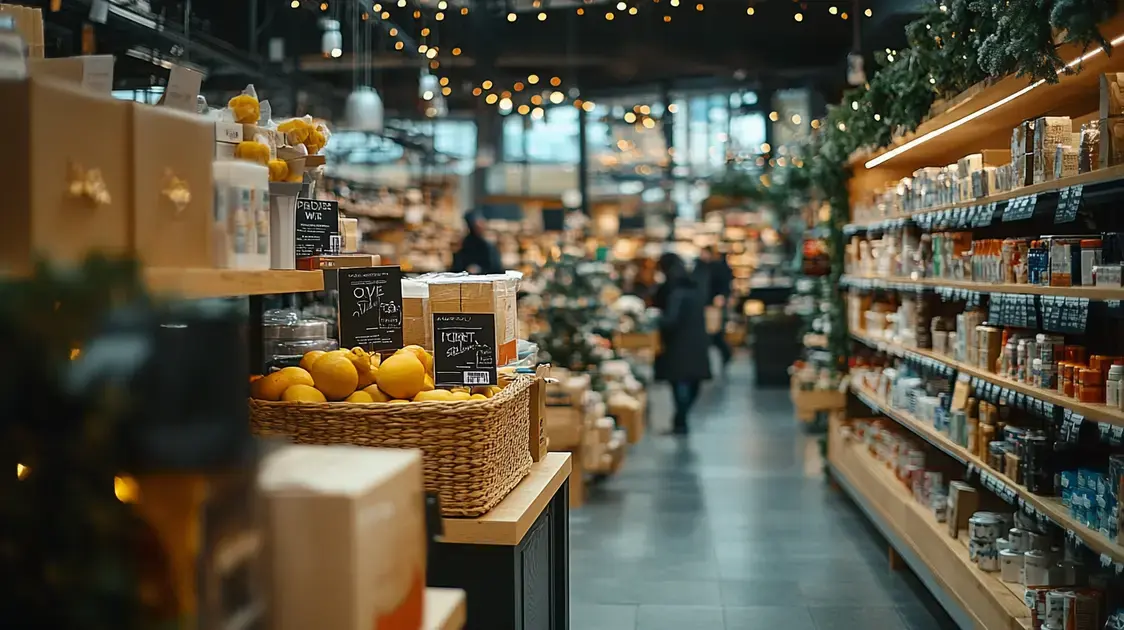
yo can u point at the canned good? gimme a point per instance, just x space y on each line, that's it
983 526
1018 539
1010 566
1035 568
987 555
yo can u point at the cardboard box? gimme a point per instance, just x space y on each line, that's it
537 439
67 171
482 294
963 501
348 537
227 137
29 23
173 187
417 318
91 72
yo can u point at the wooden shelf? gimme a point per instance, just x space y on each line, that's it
208 283
1091 411
983 117
444 609
1093 177
1051 507
973 597
1090 293
508 522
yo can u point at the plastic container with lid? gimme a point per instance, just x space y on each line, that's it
286 337
1090 257
1113 387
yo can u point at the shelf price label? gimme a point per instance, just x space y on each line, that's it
464 349
1069 204
370 310
984 215
1020 208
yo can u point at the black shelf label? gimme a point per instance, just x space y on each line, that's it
1069 203
370 309
317 228
464 349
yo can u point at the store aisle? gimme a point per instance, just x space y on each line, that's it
734 528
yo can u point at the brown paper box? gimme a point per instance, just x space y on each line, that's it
417 323
60 135
173 184
445 297
963 501
348 537
537 440
91 72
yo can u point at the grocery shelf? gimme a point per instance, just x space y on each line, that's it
982 117
973 598
1090 411
207 283
444 609
1050 507
1089 293
1099 176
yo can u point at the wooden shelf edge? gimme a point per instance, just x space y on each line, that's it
1091 411
508 522
1092 177
1050 506
444 609
206 283
973 597
1089 293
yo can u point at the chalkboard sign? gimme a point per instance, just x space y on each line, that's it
317 228
371 307
464 349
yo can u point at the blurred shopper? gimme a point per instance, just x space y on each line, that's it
684 343
476 255
714 268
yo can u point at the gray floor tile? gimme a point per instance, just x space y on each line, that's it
855 617
607 590
602 617
769 618
680 618
760 593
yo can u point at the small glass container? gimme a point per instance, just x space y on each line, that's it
286 337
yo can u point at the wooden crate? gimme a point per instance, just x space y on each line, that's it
638 342
809 402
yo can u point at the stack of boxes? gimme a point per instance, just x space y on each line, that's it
29 23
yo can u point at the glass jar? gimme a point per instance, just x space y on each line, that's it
286 337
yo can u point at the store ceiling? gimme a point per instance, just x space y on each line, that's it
664 43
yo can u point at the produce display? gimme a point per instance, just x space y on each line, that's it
356 376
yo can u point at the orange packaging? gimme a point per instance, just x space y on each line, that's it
1075 354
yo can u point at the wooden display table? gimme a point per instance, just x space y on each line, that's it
444 609
513 562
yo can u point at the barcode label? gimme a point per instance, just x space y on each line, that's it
334 243
476 378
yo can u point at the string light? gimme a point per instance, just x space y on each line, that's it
440 17
674 3
422 48
833 10
401 4
765 148
446 91
491 99
433 65
393 32
126 489
476 91
442 5
542 17
796 119
518 87
578 103
536 113
323 6
557 97
505 103
399 45
699 7
555 81
621 6
377 8
609 16
855 105
505 94
629 117
296 4
667 18
632 10
533 79
511 17
425 32
877 117
464 10
431 111
672 108
581 11
843 15
427 95
457 52
536 100
774 116
815 123
799 17
487 85
22 471
649 123
750 11
417 15
842 127
524 110
868 13
644 109
588 106
385 15
431 53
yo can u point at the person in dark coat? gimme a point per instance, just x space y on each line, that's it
477 255
719 277
684 343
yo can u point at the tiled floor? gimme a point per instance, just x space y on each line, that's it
734 528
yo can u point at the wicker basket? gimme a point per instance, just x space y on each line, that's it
474 452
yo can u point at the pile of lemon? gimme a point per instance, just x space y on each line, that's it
356 376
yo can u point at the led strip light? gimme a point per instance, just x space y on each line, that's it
889 155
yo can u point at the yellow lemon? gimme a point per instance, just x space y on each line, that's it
303 393
271 386
362 362
398 400
460 395
460 389
478 397
359 397
483 391
310 358
436 394
424 357
427 385
401 376
335 375
376 394
296 375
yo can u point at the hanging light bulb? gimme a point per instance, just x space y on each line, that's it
511 17
536 113
533 79
621 6
557 97
868 13
446 91
588 106
542 17
774 116
491 99
399 45
750 11
667 18
524 110
629 117
456 52
796 119
487 85
833 10
581 11
799 17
